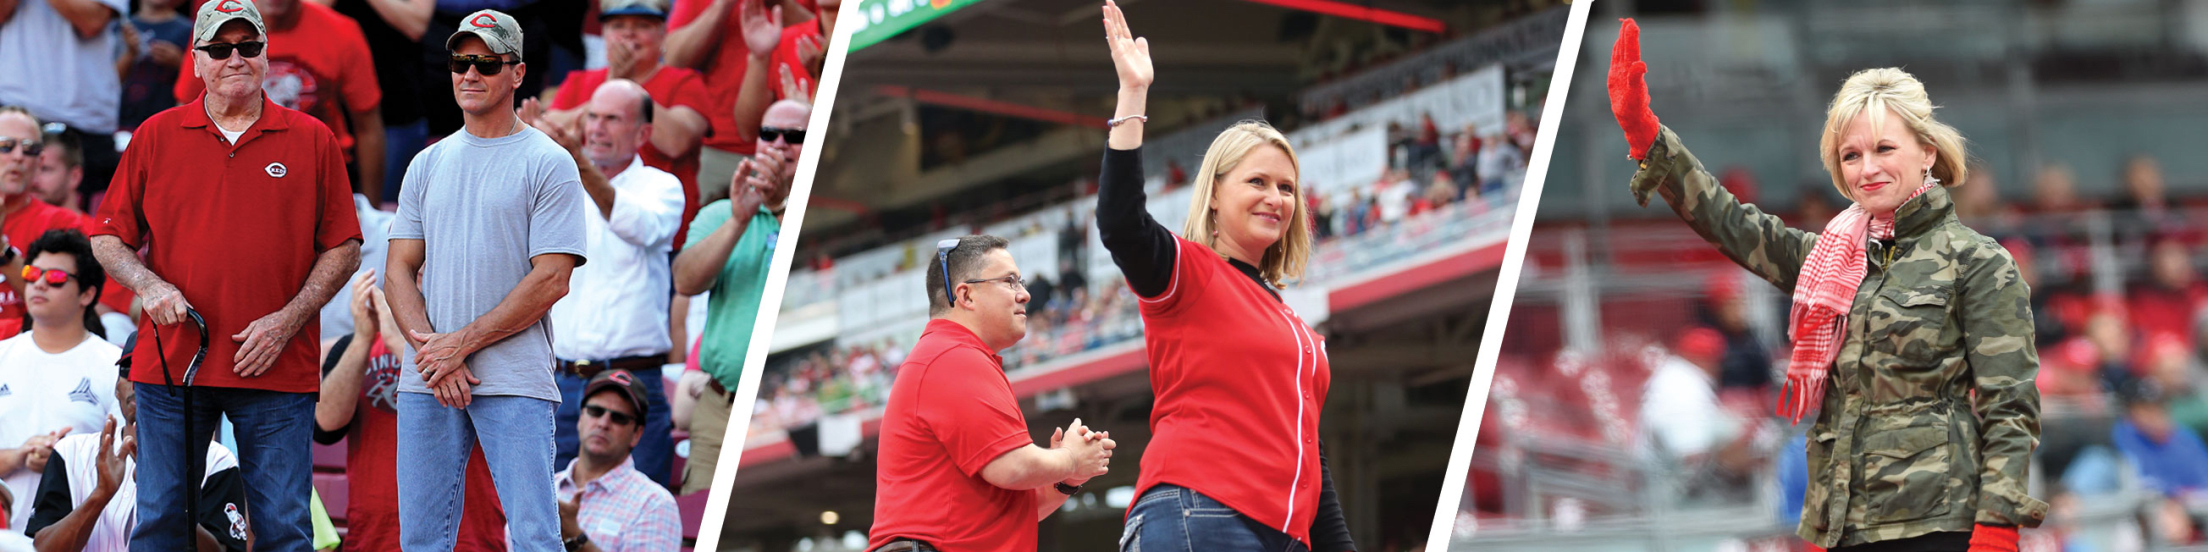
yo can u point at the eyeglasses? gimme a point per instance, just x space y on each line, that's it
943 259
1017 283
793 135
489 66
618 418
221 50
31 148
53 276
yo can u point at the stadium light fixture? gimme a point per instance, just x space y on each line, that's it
1361 13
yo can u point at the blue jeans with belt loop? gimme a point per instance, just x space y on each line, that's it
1172 518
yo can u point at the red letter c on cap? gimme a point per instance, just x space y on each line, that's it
481 20
229 6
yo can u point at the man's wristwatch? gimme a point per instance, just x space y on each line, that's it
576 543
1069 490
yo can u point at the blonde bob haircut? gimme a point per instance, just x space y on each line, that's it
1284 259
1874 92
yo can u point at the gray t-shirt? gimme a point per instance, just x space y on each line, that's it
483 208
59 76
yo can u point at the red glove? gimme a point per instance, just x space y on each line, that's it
1629 92
1992 538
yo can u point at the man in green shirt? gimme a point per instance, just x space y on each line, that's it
729 252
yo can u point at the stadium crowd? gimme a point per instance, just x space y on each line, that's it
681 124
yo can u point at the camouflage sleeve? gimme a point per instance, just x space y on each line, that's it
1756 240
1996 314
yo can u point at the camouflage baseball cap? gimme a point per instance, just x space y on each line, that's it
498 31
217 12
648 8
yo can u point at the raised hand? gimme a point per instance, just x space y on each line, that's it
795 87
762 26
569 510
745 192
1130 54
1629 92
365 321
811 54
113 460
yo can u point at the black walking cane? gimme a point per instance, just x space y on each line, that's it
192 462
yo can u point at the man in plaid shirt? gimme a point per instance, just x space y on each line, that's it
605 504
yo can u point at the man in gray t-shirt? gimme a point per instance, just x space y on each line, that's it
490 224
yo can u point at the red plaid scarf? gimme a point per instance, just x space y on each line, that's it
1823 295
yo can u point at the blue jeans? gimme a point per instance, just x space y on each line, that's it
434 444
654 454
274 431
1171 518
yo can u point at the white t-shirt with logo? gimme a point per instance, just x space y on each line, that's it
42 392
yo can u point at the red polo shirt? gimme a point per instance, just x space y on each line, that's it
235 228
1240 380
950 413
724 72
669 86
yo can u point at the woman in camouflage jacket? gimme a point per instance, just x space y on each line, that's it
1925 440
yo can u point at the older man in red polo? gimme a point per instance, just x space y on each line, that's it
245 214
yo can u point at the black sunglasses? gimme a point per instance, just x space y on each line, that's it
31 148
794 135
221 50
489 66
617 417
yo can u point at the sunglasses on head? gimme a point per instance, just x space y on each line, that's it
617 417
943 259
793 135
489 65
31 148
52 276
221 50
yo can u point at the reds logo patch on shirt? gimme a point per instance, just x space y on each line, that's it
277 170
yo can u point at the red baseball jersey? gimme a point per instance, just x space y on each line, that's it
1240 380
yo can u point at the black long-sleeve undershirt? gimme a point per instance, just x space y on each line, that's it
1145 252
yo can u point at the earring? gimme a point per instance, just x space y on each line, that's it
1929 179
